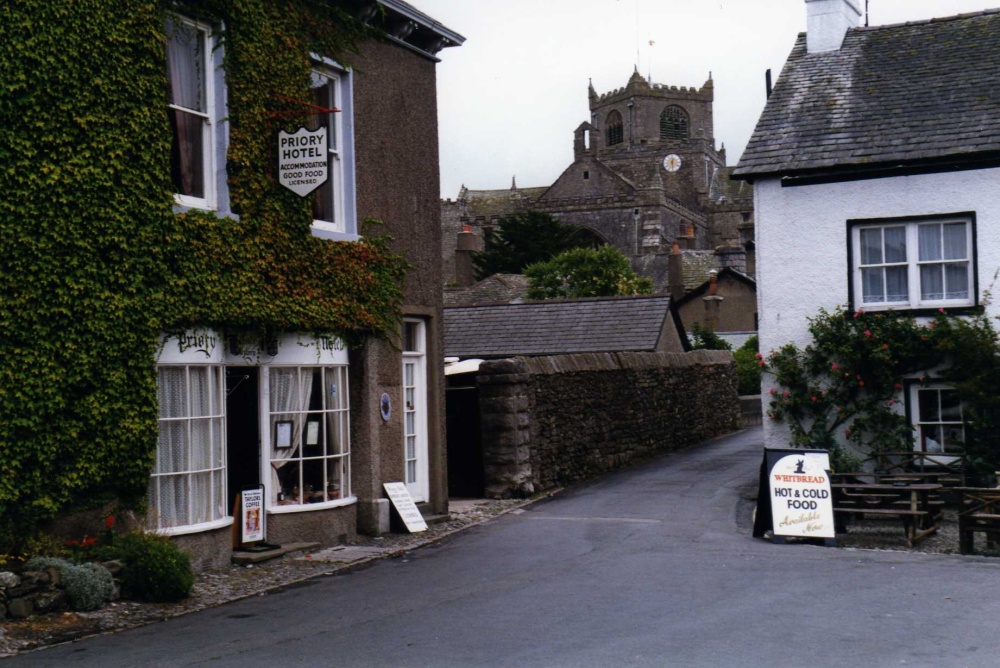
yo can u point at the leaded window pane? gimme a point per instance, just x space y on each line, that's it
928 405
186 66
897 284
957 280
187 153
871 246
929 242
873 288
951 406
895 244
932 282
955 243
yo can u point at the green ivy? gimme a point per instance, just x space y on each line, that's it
96 264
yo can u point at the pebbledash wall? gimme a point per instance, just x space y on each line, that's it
551 421
789 294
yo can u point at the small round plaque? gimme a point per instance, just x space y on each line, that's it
385 406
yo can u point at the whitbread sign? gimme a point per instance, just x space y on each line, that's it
303 160
796 500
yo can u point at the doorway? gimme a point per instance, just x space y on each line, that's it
242 429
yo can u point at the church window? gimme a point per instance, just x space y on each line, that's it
673 123
614 128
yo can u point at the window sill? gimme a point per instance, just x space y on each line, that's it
922 311
308 507
323 233
195 528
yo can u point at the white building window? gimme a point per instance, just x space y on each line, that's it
191 111
187 486
913 264
309 435
938 418
333 202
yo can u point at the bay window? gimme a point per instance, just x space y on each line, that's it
309 435
187 484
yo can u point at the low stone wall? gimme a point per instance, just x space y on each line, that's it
36 592
550 421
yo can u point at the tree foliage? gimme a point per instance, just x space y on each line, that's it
523 239
585 272
747 367
703 338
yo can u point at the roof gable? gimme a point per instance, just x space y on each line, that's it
601 180
611 324
905 94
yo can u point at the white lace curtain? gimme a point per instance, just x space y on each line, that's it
291 392
185 73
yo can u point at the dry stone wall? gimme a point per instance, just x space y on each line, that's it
551 421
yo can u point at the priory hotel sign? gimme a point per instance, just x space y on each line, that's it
303 162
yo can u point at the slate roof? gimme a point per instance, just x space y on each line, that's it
908 93
553 327
495 288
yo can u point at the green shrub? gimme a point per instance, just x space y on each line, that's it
155 569
88 586
748 367
703 338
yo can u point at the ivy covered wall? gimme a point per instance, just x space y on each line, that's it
96 264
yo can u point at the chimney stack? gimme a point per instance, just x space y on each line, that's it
827 23
469 243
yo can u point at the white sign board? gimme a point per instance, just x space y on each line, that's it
801 501
407 510
252 521
303 160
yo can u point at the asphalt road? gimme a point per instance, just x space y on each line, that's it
650 567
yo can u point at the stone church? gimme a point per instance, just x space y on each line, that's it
646 177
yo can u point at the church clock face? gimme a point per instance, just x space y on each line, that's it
672 162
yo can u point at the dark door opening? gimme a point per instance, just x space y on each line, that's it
466 476
242 429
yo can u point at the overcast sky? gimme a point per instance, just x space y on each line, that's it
511 96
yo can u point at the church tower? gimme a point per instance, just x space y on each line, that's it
661 137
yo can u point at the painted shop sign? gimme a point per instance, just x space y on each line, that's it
796 499
252 515
404 505
303 163
193 346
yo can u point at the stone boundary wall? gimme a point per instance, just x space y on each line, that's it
551 421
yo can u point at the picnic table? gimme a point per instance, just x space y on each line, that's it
911 502
948 469
981 513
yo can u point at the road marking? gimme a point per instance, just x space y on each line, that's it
529 516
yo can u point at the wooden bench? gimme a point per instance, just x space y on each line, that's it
981 514
910 503
947 469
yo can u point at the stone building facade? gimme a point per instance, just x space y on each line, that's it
645 175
